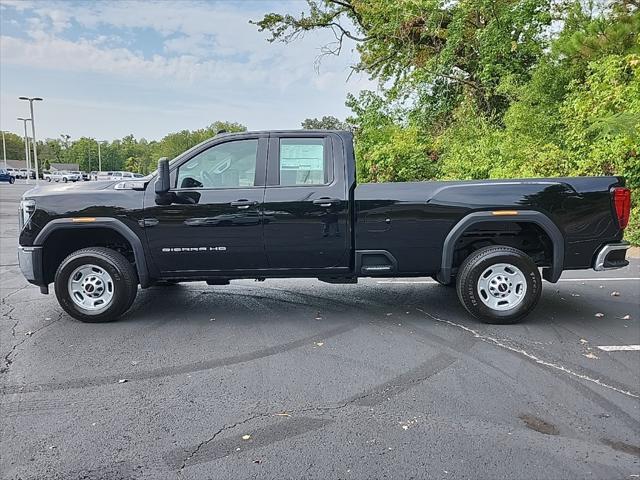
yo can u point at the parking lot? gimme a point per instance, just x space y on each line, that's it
302 379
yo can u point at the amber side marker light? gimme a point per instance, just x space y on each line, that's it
83 219
500 213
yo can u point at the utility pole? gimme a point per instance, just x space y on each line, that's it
27 150
33 132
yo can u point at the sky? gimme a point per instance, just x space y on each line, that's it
113 68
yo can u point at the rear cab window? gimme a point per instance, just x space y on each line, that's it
304 161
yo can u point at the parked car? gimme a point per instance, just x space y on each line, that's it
104 175
121 175
64 177
46 175
287 204
81 175
22 173
6 176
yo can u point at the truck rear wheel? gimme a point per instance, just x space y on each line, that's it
498 284
96 284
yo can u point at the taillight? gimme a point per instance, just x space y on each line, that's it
622 201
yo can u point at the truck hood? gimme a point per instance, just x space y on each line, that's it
85 199
67 188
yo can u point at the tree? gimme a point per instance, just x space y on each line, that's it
464 47
14 145
327 122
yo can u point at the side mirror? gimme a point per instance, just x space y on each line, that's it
163 181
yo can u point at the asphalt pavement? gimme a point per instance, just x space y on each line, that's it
298 379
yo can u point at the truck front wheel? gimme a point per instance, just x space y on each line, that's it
96 284
498 284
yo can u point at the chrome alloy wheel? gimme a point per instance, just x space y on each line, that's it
91 287
502 286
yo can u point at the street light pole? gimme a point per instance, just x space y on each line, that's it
99 157
27 151
33 132
4 150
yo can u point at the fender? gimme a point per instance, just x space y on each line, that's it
101 222
551 274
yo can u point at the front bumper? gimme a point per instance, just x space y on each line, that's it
611 256
30 261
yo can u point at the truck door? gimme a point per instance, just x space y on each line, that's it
306 205
214 223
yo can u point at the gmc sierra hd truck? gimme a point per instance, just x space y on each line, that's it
286 204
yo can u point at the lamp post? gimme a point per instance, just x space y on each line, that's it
99 155
4 150
27 151
33 131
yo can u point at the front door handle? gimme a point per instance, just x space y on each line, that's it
326 202
243 204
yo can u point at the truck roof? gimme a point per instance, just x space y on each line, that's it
296 131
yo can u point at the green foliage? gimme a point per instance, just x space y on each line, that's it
489 89
128 153
469 44
325 123
14 145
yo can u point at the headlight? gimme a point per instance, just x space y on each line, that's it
27 208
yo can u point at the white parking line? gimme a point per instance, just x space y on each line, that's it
540 361
619 348
603 279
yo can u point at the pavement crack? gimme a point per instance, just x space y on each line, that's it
4 300
7 357
13 352
204 443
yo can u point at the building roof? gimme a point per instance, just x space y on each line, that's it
64 166
14 163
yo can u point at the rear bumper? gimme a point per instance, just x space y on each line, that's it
611 256
30 261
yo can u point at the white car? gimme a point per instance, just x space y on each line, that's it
121 176
64 177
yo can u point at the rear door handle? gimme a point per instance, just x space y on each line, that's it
243 204
326 202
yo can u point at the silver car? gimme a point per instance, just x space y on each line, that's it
64 177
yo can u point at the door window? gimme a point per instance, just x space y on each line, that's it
303 162
227 165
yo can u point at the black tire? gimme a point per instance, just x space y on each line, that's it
64 179
440 282
49 179
477 263
125 283
11 180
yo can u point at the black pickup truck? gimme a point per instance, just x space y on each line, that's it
286 204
